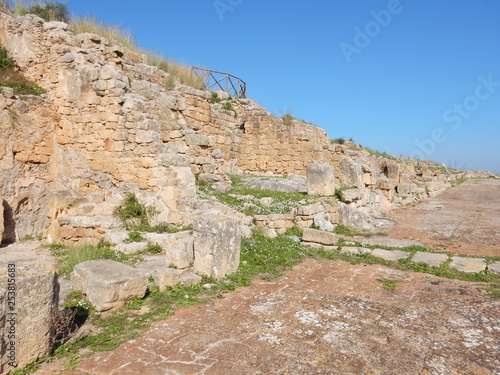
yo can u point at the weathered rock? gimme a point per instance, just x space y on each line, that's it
432 259
390 254
178 247
1 220
217 244
190 278
319 236
494 267
468 265
163 276
351 173
323 223
108 284
353 217
292 183
393 171
320 179
354 250
310 210
210 178
132 247
28 311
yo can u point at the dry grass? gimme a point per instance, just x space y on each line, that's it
80 25
177 71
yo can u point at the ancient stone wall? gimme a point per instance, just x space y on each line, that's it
107 126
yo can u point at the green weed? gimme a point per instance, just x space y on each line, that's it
133 213
390 284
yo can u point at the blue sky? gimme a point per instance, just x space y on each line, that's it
410 77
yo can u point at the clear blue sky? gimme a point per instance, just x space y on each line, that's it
411 77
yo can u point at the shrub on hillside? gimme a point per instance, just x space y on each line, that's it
48 10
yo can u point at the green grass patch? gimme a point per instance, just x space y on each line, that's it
246 200
134 236
458 181
390 284
376 153
69 257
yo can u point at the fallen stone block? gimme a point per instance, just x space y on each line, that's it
468 265
163 276
322 223
179 247
319 236
310 210
108 284
351 173
190 278
315 245
217 244
494 267
320 179
28 302
132 247
390 254
354 217
355 250
432 259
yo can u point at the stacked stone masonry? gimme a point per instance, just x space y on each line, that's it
108 126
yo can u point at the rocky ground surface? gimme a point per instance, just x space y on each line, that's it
464 220
333 317
322 317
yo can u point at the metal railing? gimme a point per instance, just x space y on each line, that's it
214 81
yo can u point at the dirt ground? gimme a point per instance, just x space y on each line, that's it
464 219
333 317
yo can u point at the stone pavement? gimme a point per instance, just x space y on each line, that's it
464 264
464 220
321 317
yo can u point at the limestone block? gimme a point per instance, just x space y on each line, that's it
165 276
1 219
322 223
147 136
468 265
432 259
426 172
390 254
190 278
319 236
353 217
178 247
130 248
354 250
108 284
217 244
209 178
385 184
310 210
406 189
406 177
320 179
494 267
351 173
98 221
200 140
31 275
393 171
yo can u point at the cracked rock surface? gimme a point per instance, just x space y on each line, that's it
321 317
